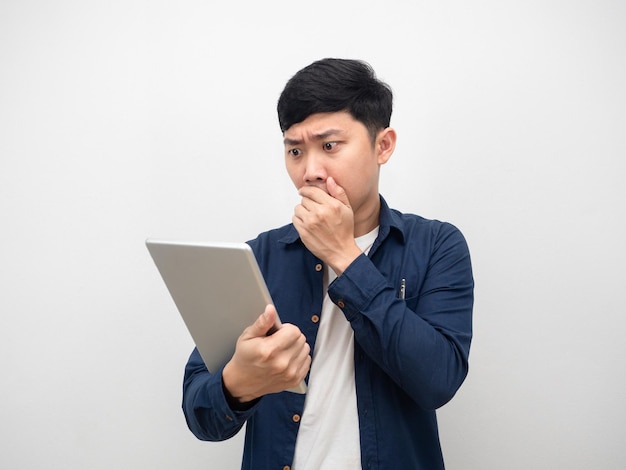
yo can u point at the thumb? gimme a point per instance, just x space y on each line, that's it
263 324
337 191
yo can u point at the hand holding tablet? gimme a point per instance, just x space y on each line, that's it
219 292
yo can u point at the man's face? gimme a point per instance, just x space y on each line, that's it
337 145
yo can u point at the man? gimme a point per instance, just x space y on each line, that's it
381 301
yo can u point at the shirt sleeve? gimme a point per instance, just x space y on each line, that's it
422 341
206 409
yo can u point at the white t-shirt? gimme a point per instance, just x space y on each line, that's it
328 437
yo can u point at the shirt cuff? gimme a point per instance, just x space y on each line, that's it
224 405
353 291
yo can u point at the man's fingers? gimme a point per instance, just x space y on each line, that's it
263 324
313 194
337 191
287 337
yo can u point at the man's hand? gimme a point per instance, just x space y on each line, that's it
266 364
325 222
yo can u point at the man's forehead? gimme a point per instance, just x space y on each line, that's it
299 137
320 126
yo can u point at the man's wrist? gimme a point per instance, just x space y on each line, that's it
341 262
236 404
235 400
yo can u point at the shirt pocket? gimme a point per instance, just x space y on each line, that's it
411 302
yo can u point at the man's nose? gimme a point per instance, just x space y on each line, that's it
314 170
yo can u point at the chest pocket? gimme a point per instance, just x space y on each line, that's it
411 302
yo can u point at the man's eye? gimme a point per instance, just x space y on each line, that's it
329 145
295 152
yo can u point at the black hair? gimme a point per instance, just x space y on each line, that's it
331 85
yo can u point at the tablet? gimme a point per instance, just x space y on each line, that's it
218 290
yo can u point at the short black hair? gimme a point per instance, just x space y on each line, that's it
331 85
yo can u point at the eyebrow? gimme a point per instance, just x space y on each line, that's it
319 136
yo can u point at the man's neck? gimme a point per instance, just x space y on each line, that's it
369 221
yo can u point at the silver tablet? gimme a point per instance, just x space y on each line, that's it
218 290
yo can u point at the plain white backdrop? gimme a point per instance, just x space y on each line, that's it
121 120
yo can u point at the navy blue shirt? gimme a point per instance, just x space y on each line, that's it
410 354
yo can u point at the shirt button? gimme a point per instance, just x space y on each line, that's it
315 318
340 304
296 418
318 267
286 467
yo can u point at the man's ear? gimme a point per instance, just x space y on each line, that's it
385 145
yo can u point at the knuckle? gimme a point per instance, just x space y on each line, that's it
281 365
265 353
291 375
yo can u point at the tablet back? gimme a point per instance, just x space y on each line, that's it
217 288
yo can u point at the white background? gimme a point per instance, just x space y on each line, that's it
121 120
